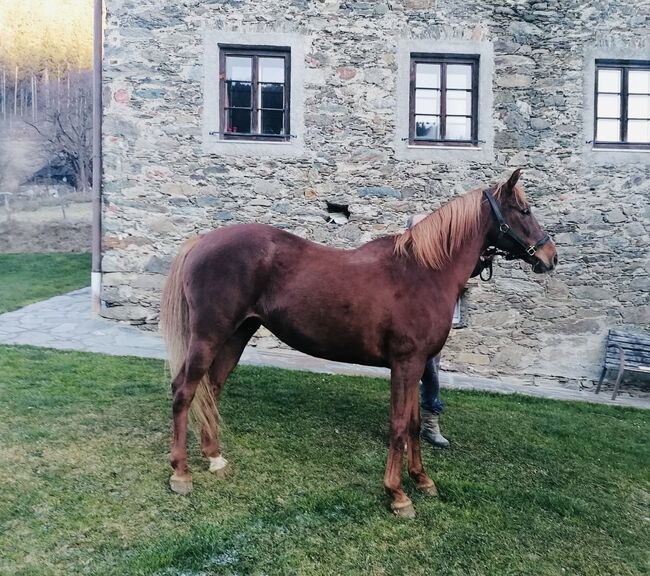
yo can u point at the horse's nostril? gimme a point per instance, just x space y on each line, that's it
555 260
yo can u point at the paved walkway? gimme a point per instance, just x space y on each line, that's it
66 323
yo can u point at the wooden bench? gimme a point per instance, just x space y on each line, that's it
625 351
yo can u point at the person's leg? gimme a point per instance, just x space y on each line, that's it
431 405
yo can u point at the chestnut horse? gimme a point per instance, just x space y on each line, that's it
387 303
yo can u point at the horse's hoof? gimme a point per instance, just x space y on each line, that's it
181 484
219 466
403 509
428 489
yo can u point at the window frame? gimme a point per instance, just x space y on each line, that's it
624 66
444 59
255 52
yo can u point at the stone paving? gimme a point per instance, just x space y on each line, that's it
67 323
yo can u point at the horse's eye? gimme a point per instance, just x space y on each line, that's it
525 211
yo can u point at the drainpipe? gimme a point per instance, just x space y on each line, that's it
96 273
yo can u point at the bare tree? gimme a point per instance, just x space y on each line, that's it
67 131
36 39
6 186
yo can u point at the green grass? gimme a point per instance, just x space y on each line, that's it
28 278
530 487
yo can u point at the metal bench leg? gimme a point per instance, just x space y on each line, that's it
621 369
600 382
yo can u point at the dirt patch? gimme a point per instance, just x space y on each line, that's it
40 226
49 237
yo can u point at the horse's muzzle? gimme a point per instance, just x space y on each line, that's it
541 267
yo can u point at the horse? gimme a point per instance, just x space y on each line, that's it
387 303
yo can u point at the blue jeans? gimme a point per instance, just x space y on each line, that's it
430 387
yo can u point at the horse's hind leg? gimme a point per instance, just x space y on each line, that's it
224 363
199 358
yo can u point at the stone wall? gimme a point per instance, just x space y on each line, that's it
160 186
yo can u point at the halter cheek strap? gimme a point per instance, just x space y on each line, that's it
505 230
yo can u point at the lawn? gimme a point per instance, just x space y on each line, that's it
28 278
530 487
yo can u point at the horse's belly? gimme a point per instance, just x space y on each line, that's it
330 308
326 341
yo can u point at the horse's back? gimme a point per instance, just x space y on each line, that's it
265 247
243 261
261 237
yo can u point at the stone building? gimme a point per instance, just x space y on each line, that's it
337 119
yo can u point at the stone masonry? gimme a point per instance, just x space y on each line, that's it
161 186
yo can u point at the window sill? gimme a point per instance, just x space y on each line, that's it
242 141
436 153
617 149
212 144
613 156
432 147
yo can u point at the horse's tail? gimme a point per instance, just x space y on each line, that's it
175 327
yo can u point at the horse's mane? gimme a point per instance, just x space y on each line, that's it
434 239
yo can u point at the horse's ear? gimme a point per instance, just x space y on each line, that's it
509 188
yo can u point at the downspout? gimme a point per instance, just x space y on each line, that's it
96 272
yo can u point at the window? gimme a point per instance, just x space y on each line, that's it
622 110
254 93
443 105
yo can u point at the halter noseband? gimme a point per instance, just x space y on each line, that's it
505 230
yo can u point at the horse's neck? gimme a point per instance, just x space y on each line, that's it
463 260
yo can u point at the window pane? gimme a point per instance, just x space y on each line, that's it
272 95
608 131
238 94
638 107
609 106
272 70
459 102
427 127
609 80
638 81
458 129
272 122
238 121
238 68
427 102
459 76
638 131
427 75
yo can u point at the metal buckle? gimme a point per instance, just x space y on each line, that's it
503 228
531 250
487 265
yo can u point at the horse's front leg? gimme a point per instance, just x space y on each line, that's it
415 466
404 380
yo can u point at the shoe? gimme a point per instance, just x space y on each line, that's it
430 430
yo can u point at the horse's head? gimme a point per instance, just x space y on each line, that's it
515 229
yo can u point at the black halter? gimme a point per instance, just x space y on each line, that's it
504 230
